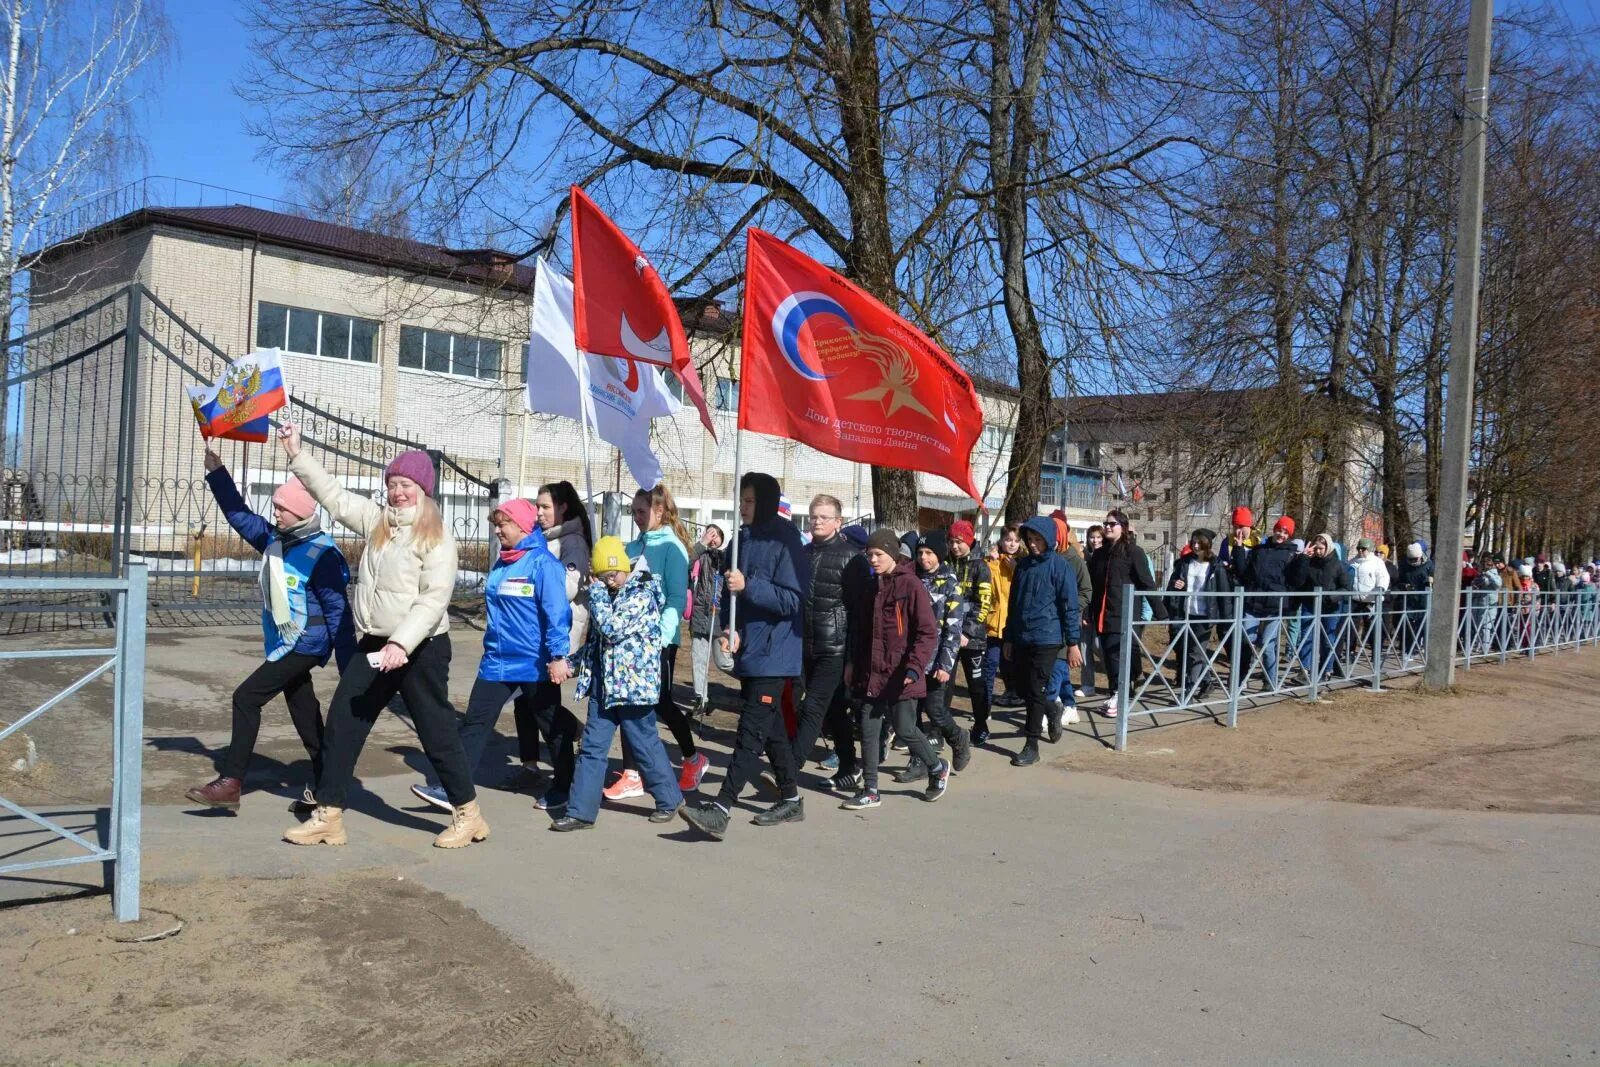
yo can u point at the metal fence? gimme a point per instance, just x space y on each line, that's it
1218 654
125 661
110 468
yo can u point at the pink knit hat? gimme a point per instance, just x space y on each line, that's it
414 465
522 512
294 498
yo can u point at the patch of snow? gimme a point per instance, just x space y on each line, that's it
18 557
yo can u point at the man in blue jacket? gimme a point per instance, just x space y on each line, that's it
770 583
303 619
1041 616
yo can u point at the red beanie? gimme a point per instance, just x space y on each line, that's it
1242 516
1286 524
961 530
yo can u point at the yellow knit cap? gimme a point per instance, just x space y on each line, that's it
610 555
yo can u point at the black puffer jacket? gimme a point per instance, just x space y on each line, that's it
1110 571
1267 571
705 583
827 623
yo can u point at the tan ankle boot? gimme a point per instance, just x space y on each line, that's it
325 827
466 826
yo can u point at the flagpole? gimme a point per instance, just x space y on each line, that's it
738 459
583 422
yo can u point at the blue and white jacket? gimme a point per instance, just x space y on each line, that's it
316 574
624 642
530 618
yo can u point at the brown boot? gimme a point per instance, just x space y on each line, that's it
325 827
466 827
220 792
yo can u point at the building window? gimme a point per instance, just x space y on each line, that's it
995 439
316 333
727 398
449 353
1199 503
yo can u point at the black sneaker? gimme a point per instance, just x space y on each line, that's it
1028 756
785 811
1058 711
980 735
862 801
911 771
849 784
661 815
899 744
568 824
707 818
938 781
963 751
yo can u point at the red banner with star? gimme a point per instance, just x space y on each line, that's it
827 364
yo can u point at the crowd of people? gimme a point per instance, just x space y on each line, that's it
848 635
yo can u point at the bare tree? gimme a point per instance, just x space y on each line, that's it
69 75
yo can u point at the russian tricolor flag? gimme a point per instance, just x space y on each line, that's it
237 406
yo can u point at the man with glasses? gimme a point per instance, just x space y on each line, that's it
837 567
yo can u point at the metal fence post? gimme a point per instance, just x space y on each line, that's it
1236 671
1377 642
1467 624
1124 667
128 784
127 437
1314 669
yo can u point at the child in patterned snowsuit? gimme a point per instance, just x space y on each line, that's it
619 669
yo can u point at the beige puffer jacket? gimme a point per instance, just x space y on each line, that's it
400 593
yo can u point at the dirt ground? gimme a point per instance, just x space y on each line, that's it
366 968
1520 737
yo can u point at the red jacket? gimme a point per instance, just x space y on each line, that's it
892 634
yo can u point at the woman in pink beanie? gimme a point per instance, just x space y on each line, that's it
400 602
304 618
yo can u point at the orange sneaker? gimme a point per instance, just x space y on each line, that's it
627 786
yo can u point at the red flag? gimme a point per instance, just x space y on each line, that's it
827 364
620 305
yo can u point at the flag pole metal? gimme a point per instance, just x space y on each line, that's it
733 564
583 423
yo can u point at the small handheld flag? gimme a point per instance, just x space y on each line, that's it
237 406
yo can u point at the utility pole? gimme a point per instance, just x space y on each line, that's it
1440 665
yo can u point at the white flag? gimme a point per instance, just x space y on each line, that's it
621 396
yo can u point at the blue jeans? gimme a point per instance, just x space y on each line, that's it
1262 632
1061 683
991 668
1325 643
638 725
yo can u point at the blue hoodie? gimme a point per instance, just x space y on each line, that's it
530 620
777 574
1043 606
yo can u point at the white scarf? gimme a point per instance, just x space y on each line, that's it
274 580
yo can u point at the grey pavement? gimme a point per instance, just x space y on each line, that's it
1032 917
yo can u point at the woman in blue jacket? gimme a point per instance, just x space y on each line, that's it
525 646
303 617
664 544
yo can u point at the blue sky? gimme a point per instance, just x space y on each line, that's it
195 121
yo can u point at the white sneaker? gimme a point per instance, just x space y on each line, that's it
1071 715
1110 709
1079 693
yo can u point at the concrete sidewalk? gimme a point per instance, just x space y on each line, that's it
1031 917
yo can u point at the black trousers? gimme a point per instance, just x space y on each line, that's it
667 711
903 713
290 676
760 730
1193 656
936 707
364 691
527 728
541 702
825 709
979 688
1035 665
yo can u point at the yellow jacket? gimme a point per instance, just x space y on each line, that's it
1000 573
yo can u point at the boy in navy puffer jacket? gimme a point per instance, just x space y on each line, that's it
949 610
1042 616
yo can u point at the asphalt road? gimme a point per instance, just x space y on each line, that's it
1032 917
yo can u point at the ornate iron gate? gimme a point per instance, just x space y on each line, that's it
110 469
